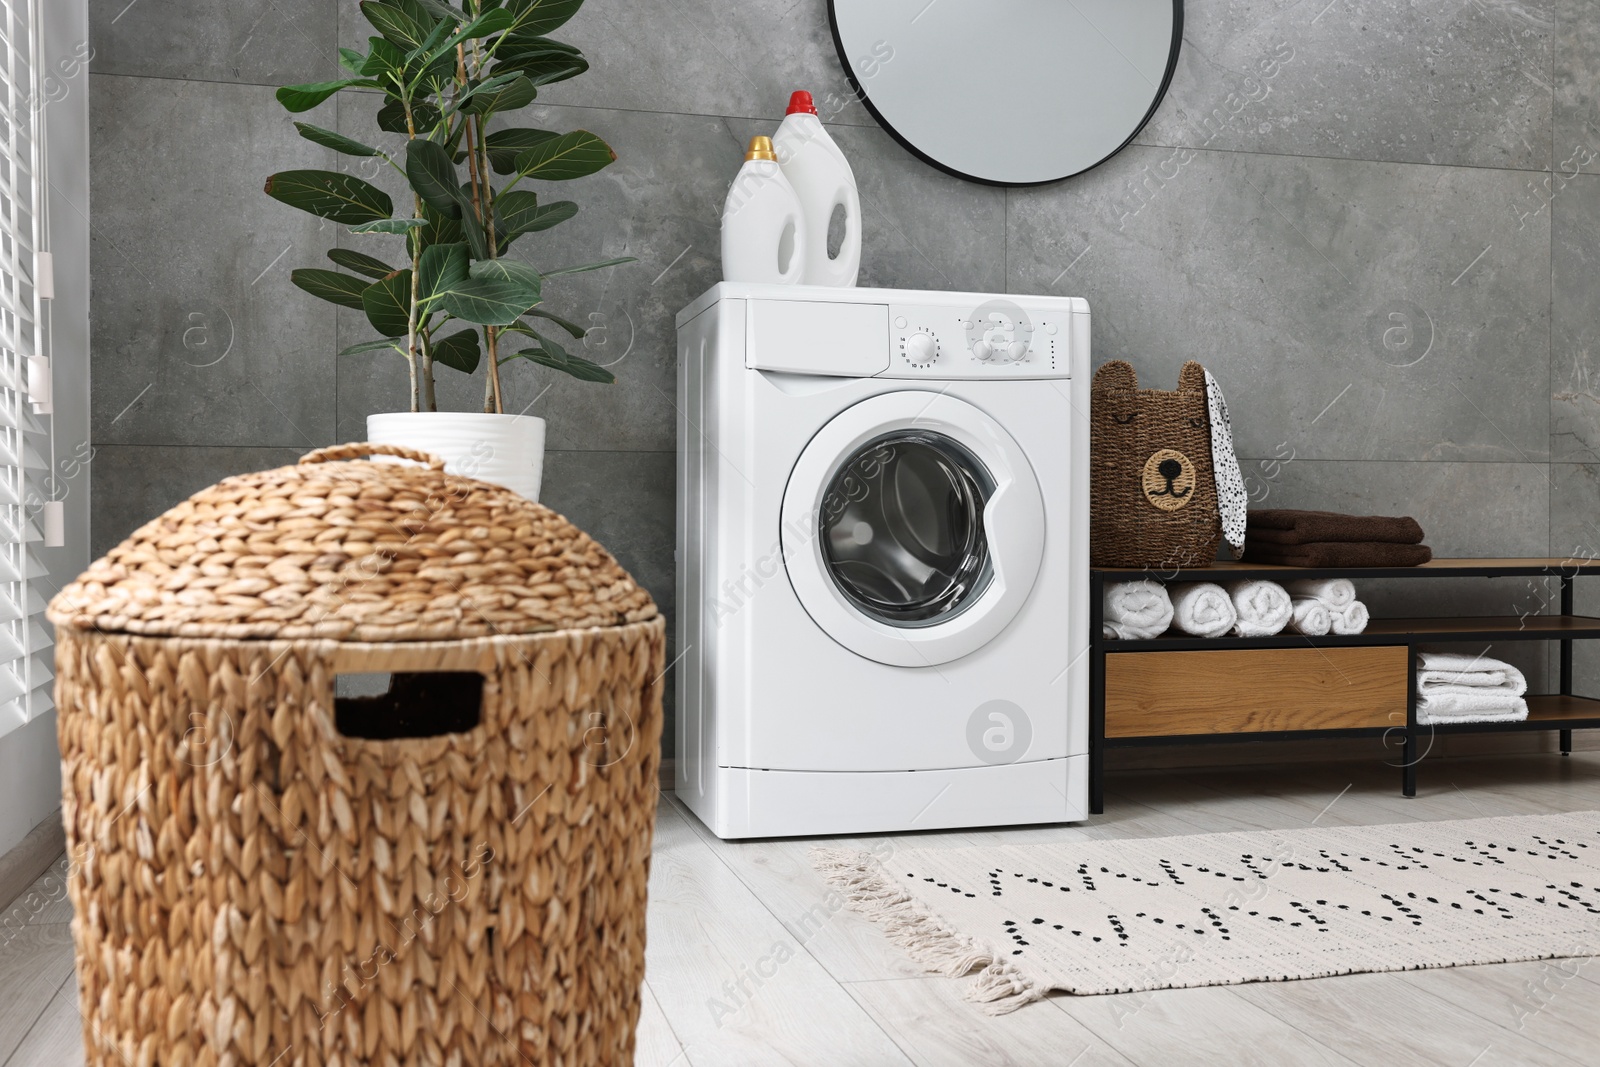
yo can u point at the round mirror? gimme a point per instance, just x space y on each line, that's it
1010 92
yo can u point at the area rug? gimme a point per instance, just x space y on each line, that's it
1222 909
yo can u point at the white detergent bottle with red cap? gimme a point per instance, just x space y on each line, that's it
822 178
763 229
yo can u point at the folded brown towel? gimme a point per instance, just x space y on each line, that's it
1337 554
1285 526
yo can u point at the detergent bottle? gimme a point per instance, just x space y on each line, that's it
763 229
822 178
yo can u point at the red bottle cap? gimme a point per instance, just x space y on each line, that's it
800 102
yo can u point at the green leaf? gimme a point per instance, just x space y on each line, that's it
436 229
330 285
441 10
336 141
519 212
373 346
351 60
361 264
441 267
298 98
392 117
396 26
417 12
541 59
505 146
433 175
389 226
542 16
566 324
331 195
552 355
387 303
588 266
513 92
383 57
491 295
572 155
459 351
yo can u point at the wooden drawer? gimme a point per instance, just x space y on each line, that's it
1162 694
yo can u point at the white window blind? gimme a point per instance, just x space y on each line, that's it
27 511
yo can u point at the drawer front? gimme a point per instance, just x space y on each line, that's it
1162 694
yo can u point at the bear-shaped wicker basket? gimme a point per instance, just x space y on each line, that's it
1154 490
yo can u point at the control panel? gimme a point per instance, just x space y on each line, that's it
1000 338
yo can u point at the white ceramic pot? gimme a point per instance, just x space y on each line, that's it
507 450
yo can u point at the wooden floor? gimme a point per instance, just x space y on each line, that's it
748 967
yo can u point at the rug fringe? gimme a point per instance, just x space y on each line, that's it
869 891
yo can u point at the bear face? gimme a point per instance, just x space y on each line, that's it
1152 488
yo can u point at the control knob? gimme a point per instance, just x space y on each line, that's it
921 349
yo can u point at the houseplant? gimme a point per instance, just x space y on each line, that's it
461 301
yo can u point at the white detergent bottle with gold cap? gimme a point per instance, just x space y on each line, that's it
825 184
763 230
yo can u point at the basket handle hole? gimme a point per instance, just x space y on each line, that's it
388 707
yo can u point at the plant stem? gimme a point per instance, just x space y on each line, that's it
416 274
478 171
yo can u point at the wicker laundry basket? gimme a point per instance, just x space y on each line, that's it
449 874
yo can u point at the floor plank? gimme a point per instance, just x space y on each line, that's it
1384 1019
1206 1027
34 961
655 1045
56 1038
735 986
928 1018
46 900
1547 1001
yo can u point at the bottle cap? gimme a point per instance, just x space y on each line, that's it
800 102
760 148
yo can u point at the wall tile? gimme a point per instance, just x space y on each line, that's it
132 484
1350 310
197 335
1577 86
1435 81
627 502
279 42
1575 321
693 57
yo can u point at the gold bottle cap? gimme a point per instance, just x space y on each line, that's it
760 148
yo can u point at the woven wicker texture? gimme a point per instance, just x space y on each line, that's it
1152 488
355 551
255 884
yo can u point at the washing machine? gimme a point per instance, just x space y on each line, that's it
883 529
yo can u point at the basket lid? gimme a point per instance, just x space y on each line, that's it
357 552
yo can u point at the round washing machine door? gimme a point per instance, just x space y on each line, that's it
913 528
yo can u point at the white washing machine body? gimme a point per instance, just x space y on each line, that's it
882 560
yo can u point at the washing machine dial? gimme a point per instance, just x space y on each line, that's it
921 349
1016 350
983 351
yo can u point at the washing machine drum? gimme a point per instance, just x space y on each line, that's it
913 528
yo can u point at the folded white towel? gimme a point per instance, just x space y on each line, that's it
1136 610
1465 703
1203 609
1336 592
1264 608
1350 619
1312 616
1452 671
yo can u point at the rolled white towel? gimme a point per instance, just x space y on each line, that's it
1452 672
1203 609
1136 610
1335 592
1465 703
1264 608
1350 619
1312 616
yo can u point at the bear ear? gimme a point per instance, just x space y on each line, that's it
1192 378
1118 374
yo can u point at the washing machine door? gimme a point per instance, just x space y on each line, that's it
913 528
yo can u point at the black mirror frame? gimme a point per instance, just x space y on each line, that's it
866 101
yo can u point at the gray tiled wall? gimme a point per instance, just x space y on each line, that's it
1366 217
